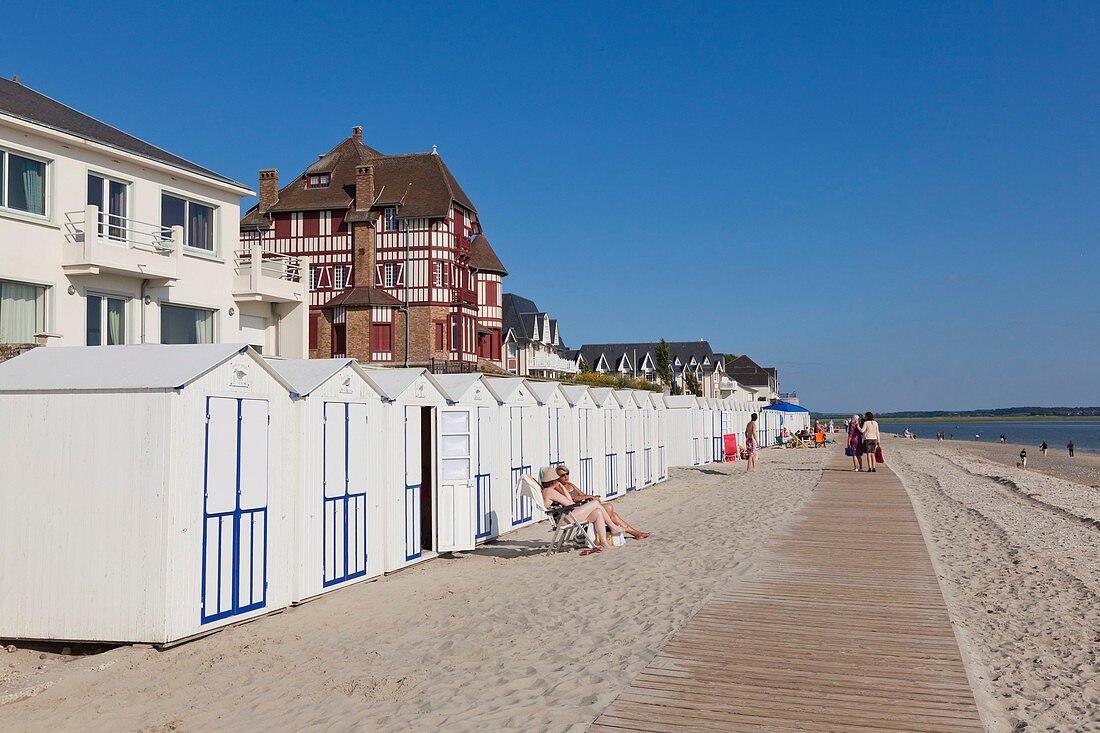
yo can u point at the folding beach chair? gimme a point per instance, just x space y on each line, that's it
562 524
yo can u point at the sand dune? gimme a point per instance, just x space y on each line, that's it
504 638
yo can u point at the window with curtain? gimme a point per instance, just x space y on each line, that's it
22 183
22 312
196 219
110 197
106 321
182 325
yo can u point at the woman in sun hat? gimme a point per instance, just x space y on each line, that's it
587 511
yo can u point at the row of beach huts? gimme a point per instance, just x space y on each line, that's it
152 493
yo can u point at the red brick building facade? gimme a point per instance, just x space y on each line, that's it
400 269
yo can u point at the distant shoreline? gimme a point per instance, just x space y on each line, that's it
972 418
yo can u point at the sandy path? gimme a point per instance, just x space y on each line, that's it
504 638
1021 572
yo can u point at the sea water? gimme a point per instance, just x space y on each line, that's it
1085 434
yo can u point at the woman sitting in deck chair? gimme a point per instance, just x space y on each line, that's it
579 495
584 511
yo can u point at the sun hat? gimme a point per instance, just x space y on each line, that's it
548 474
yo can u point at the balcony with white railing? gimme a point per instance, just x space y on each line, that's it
100 243
551 362
268 276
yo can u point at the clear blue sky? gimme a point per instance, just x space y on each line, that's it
899 208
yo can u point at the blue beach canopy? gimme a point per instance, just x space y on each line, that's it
785 407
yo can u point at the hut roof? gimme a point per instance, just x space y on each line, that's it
118 368
306 375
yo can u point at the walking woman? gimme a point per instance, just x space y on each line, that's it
869 431
855 443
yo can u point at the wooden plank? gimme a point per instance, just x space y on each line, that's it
843 628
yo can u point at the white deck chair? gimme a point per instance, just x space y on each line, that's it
564 527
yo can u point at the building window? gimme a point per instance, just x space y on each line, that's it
182 325
196 219
381 337
318 180
22 183
389 275
22 312
339 277
437 274
106 321
456 335
109 196
389 219
314 276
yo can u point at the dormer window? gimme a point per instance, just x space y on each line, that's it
318 180
389 219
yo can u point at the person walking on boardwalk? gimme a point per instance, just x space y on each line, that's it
869 431
750 444
1043 447
1069 447
855 444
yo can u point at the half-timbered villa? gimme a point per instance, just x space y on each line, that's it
402 273
532 341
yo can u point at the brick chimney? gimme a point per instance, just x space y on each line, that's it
363 235
364 187
269 189
357 133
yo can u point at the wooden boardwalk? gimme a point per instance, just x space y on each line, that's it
843 629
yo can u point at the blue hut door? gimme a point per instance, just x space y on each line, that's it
610 453
520 465
486 437
414 474
234 538
344 499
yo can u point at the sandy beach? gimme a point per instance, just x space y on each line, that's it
1016 551
503 638
508 638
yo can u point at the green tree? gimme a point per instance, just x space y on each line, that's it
691 384
664 367
584 366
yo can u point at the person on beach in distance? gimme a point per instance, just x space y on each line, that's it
1023 458
869 431
1003 439
1043 447
1069 447
578 494
750 444
855 443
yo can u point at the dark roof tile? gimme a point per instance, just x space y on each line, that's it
483 258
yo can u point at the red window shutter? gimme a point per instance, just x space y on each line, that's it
339 226
381 337
439 336
314 319
311 223
282 226
339 339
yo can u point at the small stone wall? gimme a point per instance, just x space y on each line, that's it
8 351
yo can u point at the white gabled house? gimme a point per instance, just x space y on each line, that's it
106 239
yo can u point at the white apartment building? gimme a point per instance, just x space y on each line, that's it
106 239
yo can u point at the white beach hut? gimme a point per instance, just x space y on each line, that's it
612 439
707 419
660 436
630 422
684 430
473 392
522 448
646 438
558 428
587 451
340 497
429 495
147 491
